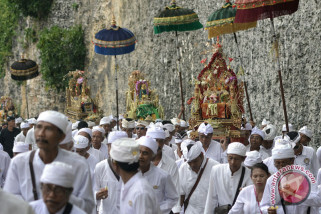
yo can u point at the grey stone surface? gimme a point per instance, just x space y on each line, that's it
155 55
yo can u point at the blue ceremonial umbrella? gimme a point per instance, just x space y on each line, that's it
114 41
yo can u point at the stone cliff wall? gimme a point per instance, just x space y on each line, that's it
155 55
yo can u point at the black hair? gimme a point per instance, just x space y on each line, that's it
82 124
292 135
128 167
128 119
166 122
189 146
260 166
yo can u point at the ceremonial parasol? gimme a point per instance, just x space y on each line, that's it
175 18
253 10
114 41
221 22
23 70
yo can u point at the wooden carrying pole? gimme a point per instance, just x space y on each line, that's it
180 76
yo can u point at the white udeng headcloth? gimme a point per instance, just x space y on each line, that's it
68 137
99 129
282 149
54 117
149 143
169 127
205 129
304 130
270 132
252 158
86 130
58 173
128 124
258 131
236 148
81 142
125 150
20 147
156 132
194 151
114 135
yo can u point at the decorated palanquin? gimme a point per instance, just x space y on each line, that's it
79 103
218 98
141 100
7 108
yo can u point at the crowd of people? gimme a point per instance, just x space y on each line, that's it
50 165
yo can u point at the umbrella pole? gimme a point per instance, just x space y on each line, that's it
180 76
27 98
280 75
117 116
245 85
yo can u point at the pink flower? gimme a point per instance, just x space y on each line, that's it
80 80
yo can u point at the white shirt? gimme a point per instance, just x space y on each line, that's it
267 151
10 204
309 160
137 197
39 207
179 162
187 180
104 150
264 155
269 162
223 185
169 152
246 202
214 151
104 177
4 165
164 188
30 138
18 179
20 137
169 165
96 153
92 161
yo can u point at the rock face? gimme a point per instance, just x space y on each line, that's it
155 55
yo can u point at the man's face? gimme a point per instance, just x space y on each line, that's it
48 136
145 157
129 132
83 151
205 139
97 139
256 142
305 140
177 128
247 134
280 163
11 123
196 163
235 161
141 131
106 127
55 197
267 144
24 131
160 143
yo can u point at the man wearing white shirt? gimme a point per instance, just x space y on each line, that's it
137 195
105 124
306 135
4 165
30 139
196 165
128 126
21 137
68 142
270 132
161 181
226 178
212 148
163 161
97 140
49 132
87 132
256 139
141 128
107 181
56 185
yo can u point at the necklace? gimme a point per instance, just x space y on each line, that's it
258 203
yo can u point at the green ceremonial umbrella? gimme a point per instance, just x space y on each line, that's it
175 18
222 22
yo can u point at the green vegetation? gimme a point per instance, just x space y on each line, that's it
75 6
35 8
61 51
8 24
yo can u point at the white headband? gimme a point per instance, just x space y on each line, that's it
56 118
205 129
194 151
149 143
58 173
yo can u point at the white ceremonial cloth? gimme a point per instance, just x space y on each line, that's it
39 207
10 204
246 202
169 165
309 160
96 153
187 180
319 155
214 151
169 152
18 179
92 161
30 138
4 165
20 137
104 177
179 162
264 155
164 188
269 162
223 185
137 196
267 151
